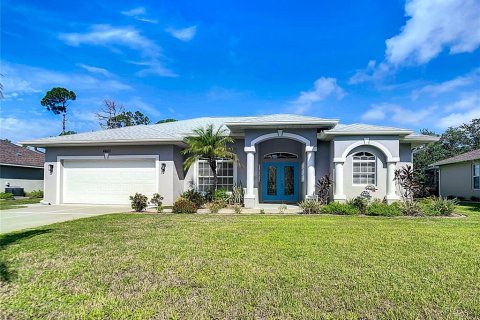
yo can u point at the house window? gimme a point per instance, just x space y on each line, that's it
281 155
476 176
224 175
364 168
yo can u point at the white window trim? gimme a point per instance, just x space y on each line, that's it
375 173
474 176
197 176
59 165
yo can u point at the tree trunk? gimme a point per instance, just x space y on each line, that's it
213 166
64 121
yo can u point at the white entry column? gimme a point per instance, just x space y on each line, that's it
339 195
310 171
250 194
391 195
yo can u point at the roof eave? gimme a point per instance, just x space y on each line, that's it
368 132
36 143
316 123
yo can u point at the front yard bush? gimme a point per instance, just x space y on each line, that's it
410 208
339 208
34 194
157 200
139 202
184 205
361 203
195 197
221 195
310 206
6 196
379 208
216 205
438 206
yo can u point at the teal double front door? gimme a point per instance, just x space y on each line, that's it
280 182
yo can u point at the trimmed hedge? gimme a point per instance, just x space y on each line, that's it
378 208
339 208
183 205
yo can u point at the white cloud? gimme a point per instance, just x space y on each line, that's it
397 113
433 26
106 35
154 67
134 12
373 72
138 14
458 118
322 89
185 34
22 129
19 80
450 85
98 70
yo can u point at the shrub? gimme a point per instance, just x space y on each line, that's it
379 208
361 203
310 206
184 205
262 211
157 201
282 208
323 189
339 208
410 208
438 206
139 202
34 194
6 195
221 195
216 205
237 209
476 199
195 197
238 195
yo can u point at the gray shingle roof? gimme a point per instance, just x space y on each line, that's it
177 131
468 156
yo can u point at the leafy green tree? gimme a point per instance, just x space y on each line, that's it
209 144
56 101
166 120
454 141
67 133
128 119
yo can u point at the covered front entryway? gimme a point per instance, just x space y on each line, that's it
280 182
280 167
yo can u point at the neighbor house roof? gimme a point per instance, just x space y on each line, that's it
11 154
175 132
467 156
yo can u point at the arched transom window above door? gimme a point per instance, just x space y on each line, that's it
364 168
281 155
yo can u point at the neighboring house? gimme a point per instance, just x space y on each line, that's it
459 176
20 167
280 159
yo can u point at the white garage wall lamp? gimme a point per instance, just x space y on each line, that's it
50 168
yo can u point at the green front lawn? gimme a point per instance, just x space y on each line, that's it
19 203
244 266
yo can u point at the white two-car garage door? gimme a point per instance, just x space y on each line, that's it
107 181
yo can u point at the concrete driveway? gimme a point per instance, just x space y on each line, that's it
36 215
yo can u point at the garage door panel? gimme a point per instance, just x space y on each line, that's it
107 181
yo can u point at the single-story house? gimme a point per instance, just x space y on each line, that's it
20 167
281 157
459 176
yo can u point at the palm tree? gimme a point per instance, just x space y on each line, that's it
209 144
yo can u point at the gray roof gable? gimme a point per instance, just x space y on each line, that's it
467 156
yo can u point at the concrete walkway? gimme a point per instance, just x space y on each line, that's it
36 215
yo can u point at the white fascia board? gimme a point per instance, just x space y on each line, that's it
37 143
367 132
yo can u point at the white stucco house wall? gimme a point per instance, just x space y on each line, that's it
281 157
459 176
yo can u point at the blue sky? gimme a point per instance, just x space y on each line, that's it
413 64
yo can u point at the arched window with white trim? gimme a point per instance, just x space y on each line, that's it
364 169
